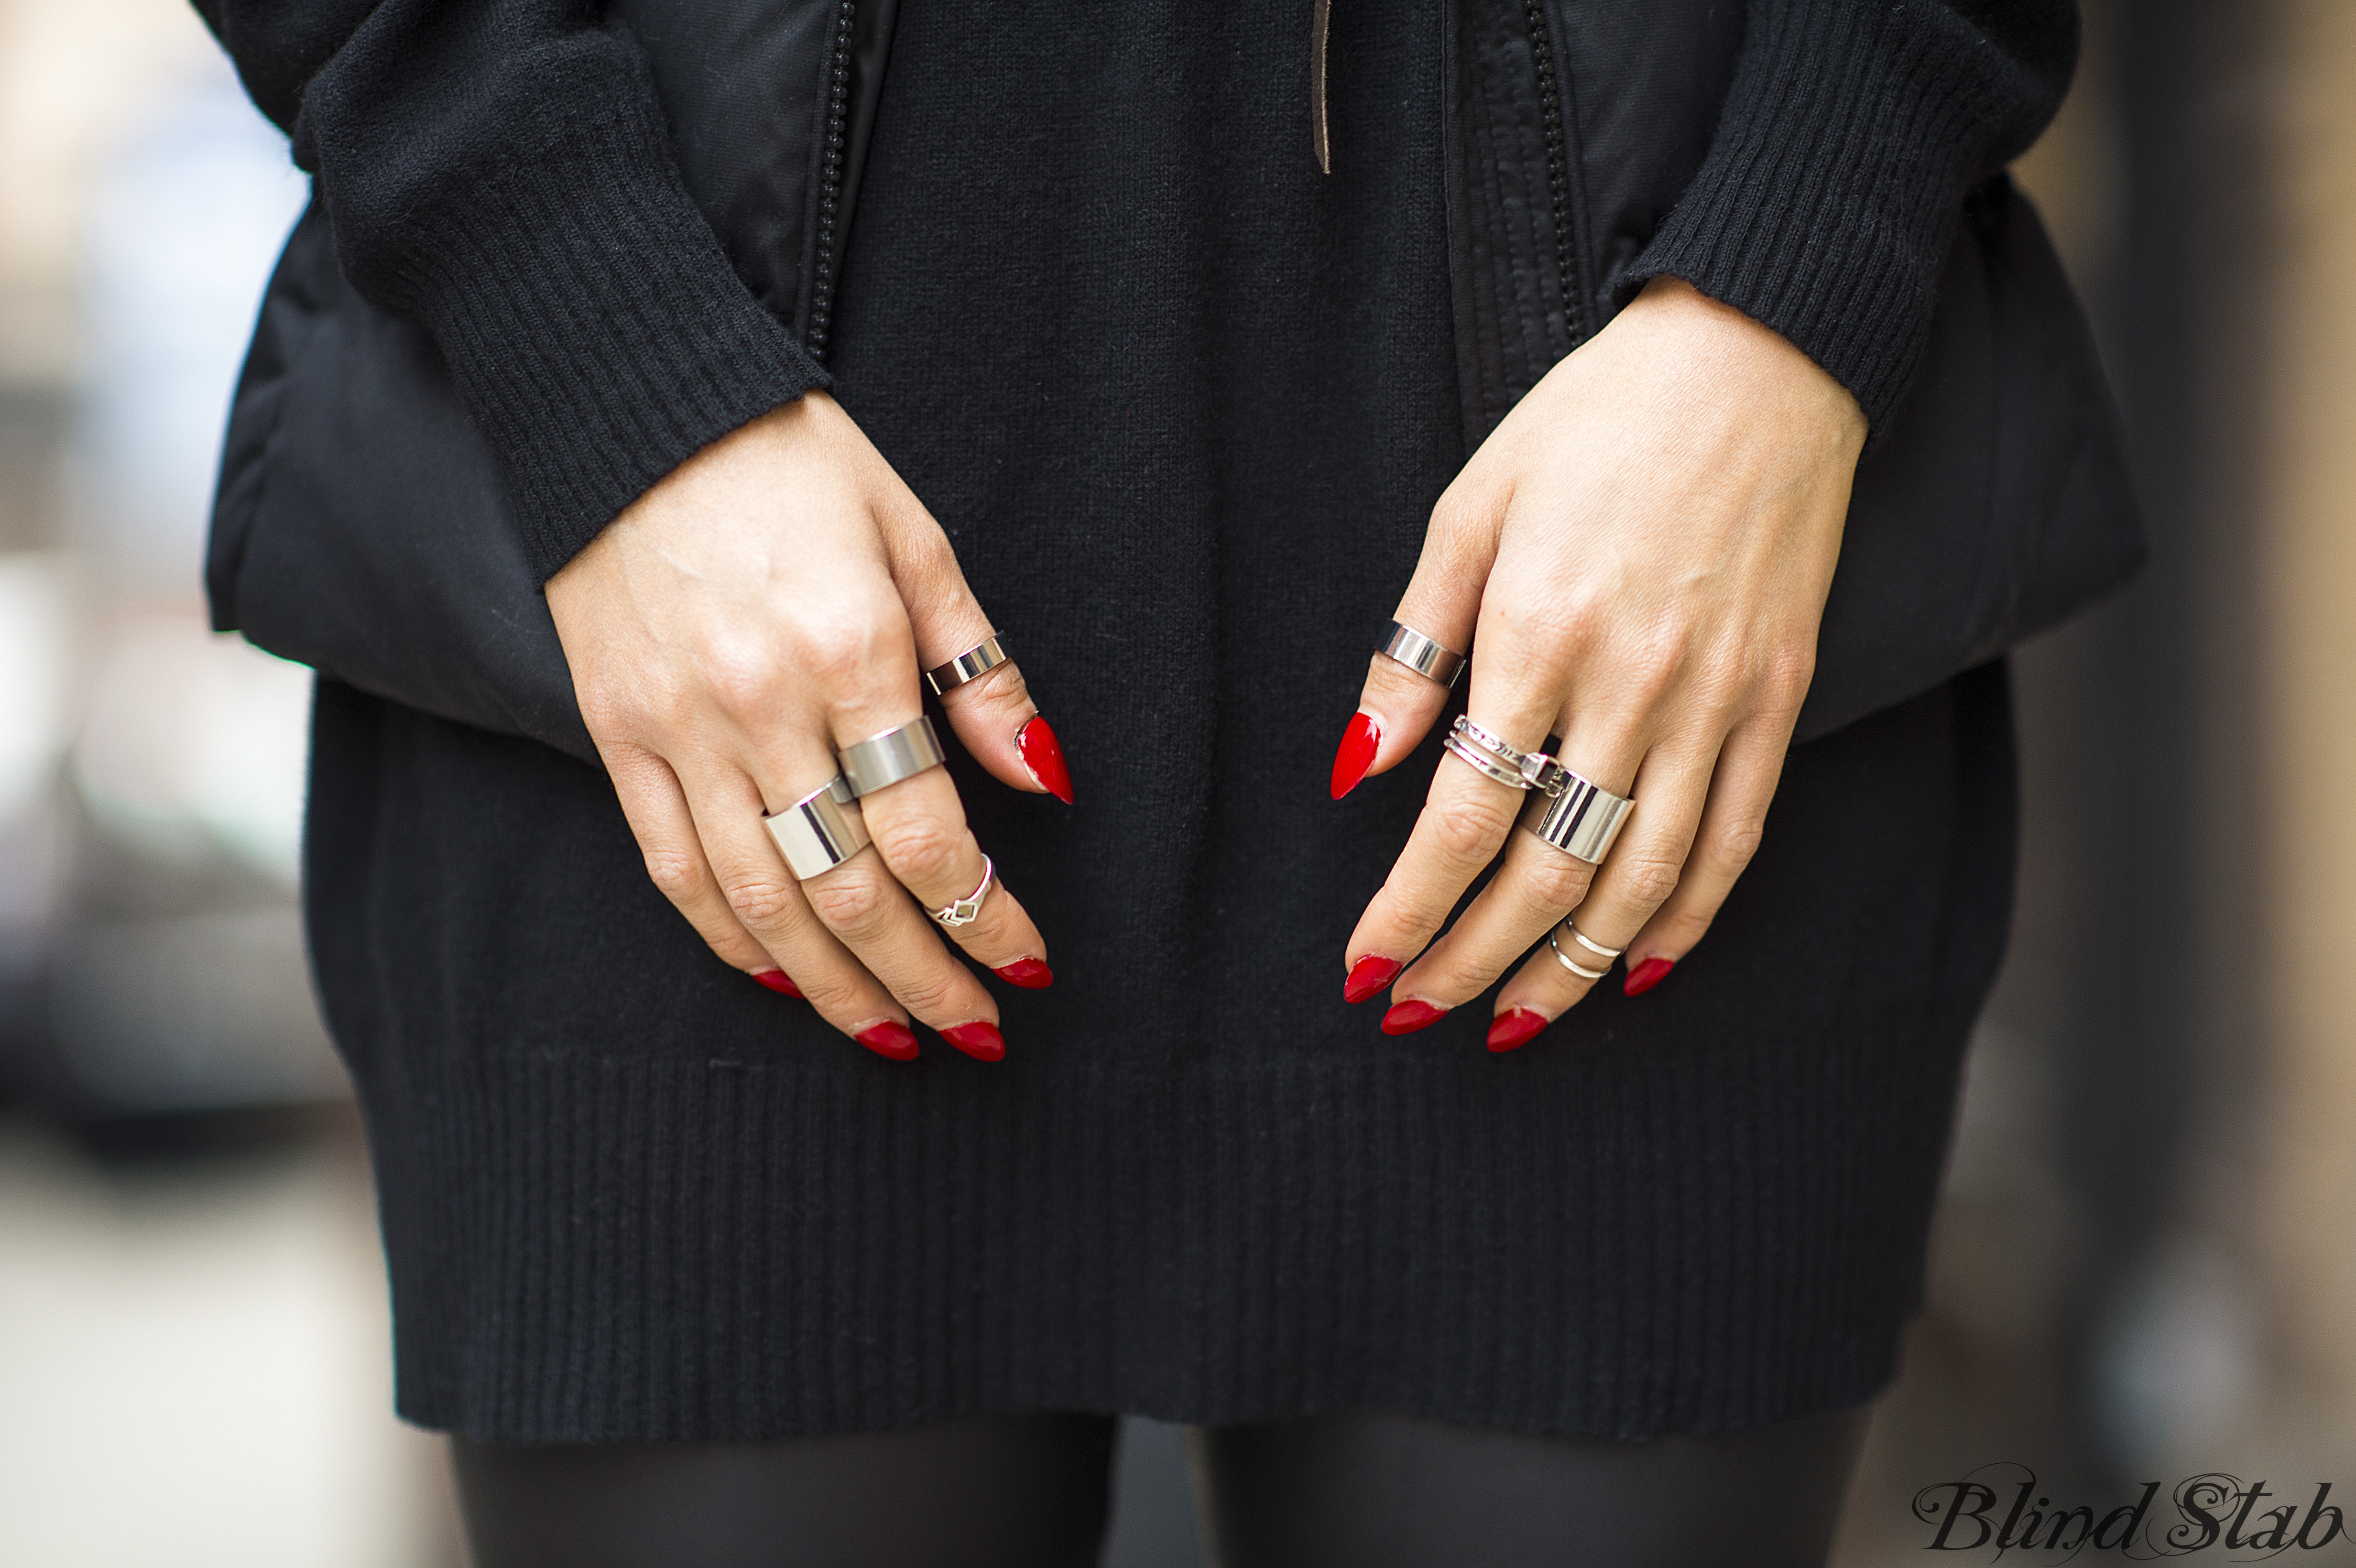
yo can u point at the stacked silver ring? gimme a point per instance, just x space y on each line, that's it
900 752
1423 655
820 831
1569 811
971 665
1606 953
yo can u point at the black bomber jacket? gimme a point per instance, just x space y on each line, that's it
377 521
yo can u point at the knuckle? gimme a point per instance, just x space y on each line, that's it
852 902
837 652
677 874
1788 672
923 853
742 681
1558 881
931 996
836 995
760 898
1737 841
1470 828
1648 881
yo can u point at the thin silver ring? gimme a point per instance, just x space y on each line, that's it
1562 958
1423 655
820 831
971 665
1581 821
967 909
1606 953
900 752
1482 762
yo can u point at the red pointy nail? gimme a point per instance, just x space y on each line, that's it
1356 753
1647 976
1369 975
1031 974
1517 1026
1044 758
779 981
1410 1015
891 1038
979 1039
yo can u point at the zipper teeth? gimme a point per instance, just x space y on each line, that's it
1558 159
830 188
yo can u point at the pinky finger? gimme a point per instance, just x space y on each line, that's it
657 810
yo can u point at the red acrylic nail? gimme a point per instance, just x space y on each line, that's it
1044 758
1369 975
979 1039
1410 1015
1647 976
891 1038
1357 754
1031 974
1517 1026
778 980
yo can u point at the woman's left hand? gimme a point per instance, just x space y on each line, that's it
1638 558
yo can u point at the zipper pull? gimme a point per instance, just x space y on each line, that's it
1320 12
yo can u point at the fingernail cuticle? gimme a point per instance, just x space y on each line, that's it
1647 976
1515 1028
1410 1015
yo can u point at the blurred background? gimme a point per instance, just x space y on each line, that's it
2145 1267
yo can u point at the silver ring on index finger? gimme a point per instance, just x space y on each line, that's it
1421 655
971 665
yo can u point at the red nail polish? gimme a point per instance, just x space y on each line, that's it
1031 974
890 1038
1647 976
1044 758
1356 753
1410 1015
979 1039
1369 975
778 980
1516 1026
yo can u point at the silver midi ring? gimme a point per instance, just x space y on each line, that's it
1423 655
1606 953
820 831
1581 818
967 909
1564 959
971 665
1492 755
900 752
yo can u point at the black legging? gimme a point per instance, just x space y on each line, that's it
1031 1491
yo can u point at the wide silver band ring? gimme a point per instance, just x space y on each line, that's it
1564 959
1582 820
900 752
820 831
971 665
967 909
1423 655
1606 953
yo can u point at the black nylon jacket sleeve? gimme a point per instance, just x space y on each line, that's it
501 174
1835 182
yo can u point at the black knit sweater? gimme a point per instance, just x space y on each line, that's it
1184 405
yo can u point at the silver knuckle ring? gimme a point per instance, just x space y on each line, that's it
971 665
900 752
1581 818
1421 655
820 831
967 909
1606 953
1564 958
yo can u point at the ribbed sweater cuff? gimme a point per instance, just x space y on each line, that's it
1833 189
593 322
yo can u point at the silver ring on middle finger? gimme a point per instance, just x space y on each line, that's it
1578 817
1490 754
900 752
820 831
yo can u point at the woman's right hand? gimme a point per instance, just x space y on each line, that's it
768 603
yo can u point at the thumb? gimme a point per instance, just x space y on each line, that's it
992 712
1397 706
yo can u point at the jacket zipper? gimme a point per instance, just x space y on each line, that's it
1558 162
829 184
